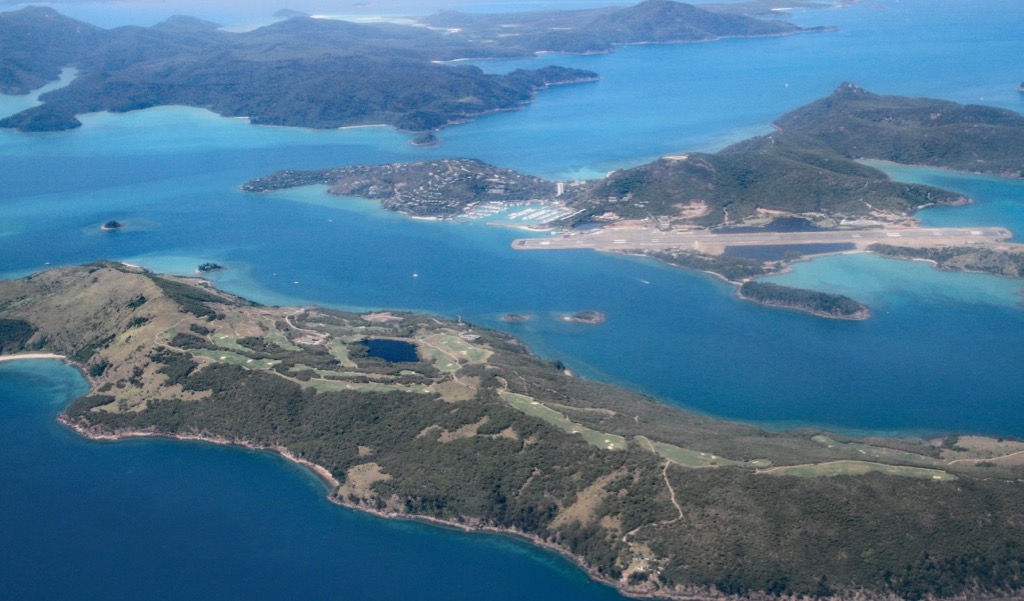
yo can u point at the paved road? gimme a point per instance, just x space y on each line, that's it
637 239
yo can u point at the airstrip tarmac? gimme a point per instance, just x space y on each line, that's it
715 242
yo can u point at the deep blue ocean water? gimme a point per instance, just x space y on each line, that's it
164 520
941 354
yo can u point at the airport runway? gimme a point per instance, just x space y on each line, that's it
713 243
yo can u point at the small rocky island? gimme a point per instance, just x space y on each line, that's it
427 139
111 226
209 267
588 316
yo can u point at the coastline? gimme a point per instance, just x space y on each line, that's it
35 356
51 357
332 484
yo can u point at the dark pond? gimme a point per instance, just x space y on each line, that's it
392 351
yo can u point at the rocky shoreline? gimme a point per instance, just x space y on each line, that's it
332 484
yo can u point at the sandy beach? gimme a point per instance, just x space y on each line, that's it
5 358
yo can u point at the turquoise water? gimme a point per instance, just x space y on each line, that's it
941 354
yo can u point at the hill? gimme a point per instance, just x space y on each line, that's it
313 72
479 434
599 30
809 165
858 124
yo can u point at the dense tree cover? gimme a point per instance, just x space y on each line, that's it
192 299
14 334
1006 263
303 72
814 301
762 518
784 171
320 72
36 43
810 164
857 124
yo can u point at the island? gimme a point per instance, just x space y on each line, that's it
442 188
589 316
474 432
325 73
209 267
801 191
111 226
822 304
427 139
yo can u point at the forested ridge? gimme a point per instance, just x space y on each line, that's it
321 73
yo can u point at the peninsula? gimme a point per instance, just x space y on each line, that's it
479 434
325 73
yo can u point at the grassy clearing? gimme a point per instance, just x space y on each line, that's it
858 468
229 342
340 352
439 358
461 348
695 459
448 352
276 337
232 358
335 385
324 373
875 452
529 406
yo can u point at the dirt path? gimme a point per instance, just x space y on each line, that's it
969 460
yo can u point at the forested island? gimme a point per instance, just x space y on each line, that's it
806 171
823 304
479 434
325 73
